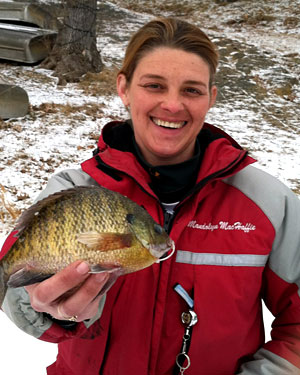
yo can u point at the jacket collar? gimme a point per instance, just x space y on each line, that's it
222 155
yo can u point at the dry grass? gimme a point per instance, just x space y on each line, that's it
291 22
7 207
35 76
4 125
92 84
156 7
99 84
67 110
296 188
258 17
285 92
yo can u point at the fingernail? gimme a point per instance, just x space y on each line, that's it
83 268
101 277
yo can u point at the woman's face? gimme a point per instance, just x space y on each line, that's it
168 98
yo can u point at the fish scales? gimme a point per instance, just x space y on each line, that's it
94 224
48 235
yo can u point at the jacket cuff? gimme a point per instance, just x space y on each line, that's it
17 307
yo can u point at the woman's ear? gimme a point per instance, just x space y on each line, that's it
213 95
122 89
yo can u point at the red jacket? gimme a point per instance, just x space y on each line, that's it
233 248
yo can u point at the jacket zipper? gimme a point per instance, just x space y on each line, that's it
169 217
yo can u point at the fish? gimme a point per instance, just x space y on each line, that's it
94 224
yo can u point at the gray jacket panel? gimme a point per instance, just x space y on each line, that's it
282 208
267 363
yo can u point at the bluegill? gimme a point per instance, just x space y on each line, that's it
100 226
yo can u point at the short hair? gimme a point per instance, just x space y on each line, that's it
173 33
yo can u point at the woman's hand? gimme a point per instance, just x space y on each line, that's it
70 294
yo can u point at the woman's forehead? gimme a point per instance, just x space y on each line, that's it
162 62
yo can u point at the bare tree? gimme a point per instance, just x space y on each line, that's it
75 51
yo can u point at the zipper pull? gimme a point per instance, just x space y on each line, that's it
184 294
167 220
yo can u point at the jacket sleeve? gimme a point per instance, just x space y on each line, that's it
17 303
17 307
281 282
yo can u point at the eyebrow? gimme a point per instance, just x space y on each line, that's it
188 82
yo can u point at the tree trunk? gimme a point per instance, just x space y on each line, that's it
75 51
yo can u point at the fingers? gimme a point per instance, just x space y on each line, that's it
49 290
71 292
84 302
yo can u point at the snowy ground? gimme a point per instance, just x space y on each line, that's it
258 105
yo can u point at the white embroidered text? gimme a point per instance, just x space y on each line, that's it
223 225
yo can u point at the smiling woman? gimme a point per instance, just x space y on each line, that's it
235 230
167 82
169 96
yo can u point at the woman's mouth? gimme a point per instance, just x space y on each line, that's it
168 124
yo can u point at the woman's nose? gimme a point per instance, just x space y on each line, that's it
172 102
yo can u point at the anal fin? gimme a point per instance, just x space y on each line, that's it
109 268
114 274
26 276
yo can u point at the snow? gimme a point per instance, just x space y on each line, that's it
21 353
53 137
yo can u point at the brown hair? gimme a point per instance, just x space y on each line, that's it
173 33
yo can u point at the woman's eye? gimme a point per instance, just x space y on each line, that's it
193 91
153 86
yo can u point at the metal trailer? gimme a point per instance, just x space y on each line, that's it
27 34
14 101
35 14
25 44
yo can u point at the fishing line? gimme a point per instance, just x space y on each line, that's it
168 256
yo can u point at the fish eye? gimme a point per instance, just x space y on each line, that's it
130 218
158 229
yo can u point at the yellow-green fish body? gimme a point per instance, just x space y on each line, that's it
94 224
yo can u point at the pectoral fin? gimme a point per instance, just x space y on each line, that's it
105 241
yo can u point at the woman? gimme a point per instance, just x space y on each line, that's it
234 227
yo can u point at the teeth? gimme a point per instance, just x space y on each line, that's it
167 124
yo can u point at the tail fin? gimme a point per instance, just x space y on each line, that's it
3 286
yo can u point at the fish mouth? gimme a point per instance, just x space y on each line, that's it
168 124
159 250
